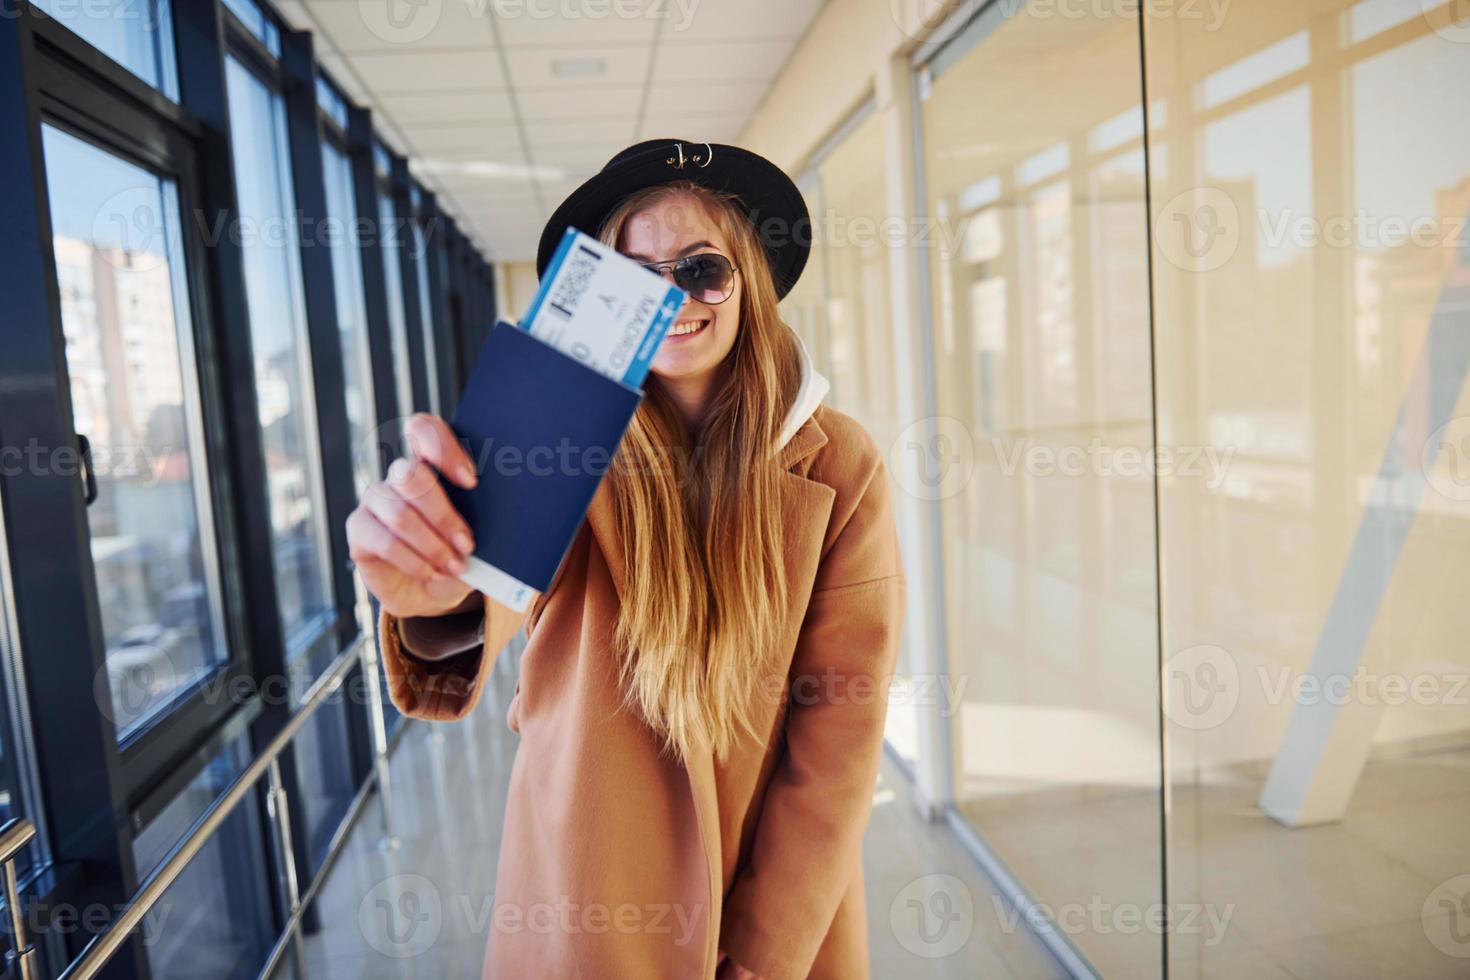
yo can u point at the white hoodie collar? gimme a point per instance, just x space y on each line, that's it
809 395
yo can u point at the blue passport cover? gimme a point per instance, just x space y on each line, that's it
541 429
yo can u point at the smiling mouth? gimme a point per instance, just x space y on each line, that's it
687 328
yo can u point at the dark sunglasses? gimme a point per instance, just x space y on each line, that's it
708 277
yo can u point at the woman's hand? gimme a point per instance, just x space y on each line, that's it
408 541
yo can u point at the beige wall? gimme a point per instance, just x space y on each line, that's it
844 58
515 284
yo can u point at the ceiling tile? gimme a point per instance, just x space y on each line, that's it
589 102
497 140
717 62
436 86
699 127
724 20
448 107
575 159
612 134
525 22
366 25
442 71
532 67
720 99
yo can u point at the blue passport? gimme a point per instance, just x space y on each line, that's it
541 428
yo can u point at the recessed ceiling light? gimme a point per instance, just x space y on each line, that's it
578 67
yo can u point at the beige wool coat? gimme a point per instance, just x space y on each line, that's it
618 861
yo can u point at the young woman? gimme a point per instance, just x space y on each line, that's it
702 695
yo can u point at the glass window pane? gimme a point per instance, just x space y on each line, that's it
426 315
841 309
330 101
323 760
137 34
1040 300
1312 291
129 356
19 794
390 232
278 333
215 920
257 23
362 415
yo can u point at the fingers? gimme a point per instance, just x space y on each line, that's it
430 439
423 520
415 483
407 521
369 540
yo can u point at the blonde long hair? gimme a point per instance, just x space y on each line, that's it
698 516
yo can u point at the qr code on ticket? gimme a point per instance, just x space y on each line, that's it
571 284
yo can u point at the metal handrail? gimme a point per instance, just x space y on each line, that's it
106 944
14 835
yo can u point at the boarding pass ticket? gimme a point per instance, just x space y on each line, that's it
602 308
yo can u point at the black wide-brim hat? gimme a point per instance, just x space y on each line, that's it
776 208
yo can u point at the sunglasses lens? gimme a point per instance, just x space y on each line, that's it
708 278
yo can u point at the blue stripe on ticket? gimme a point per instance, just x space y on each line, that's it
549 277
662 320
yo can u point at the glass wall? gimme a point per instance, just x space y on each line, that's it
841 308
1310 181
130 362
1034 168
282 365
1224 675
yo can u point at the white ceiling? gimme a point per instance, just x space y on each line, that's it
468 91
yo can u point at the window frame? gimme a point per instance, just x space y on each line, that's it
106 120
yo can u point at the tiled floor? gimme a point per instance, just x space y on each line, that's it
1359 898
932 914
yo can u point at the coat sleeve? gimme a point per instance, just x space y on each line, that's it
808 840
444 689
